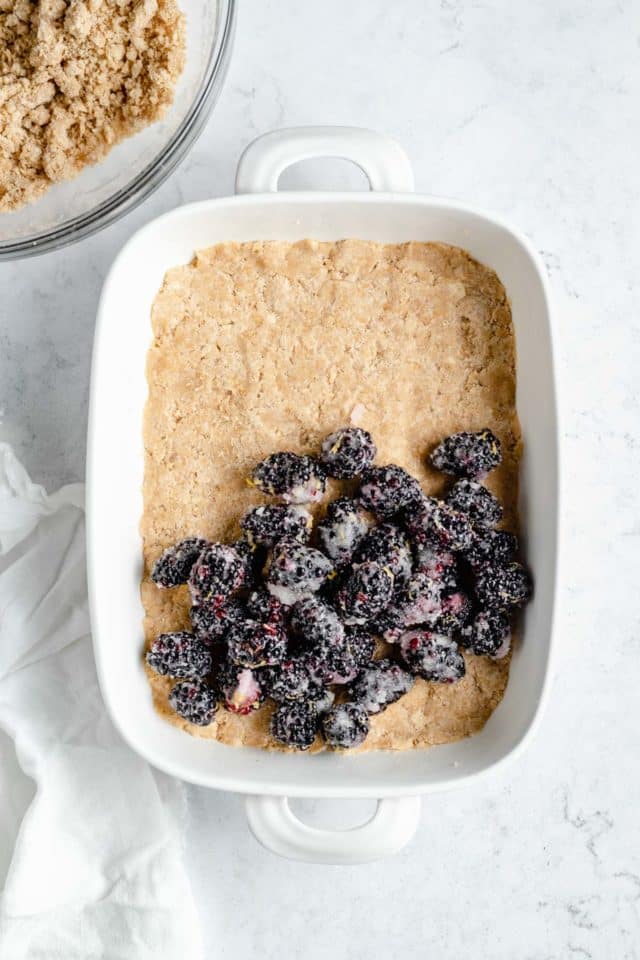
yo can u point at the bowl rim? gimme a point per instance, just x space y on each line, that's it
156 172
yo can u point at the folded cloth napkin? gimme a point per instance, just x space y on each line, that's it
97 868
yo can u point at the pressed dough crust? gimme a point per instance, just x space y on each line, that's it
267 346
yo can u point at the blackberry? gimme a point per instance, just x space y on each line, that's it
367 591
388 546
296 571
240 689
435 527
212 619
488 634
343 507
421 601
432 656
465 454
474 500
451 528
491 546
360 644
431 558
295 724
194 702
261 606
379 685
252 644
381 539
417 517
271 522
322 698
344 526
316 623
218 571
179 655
499 587
252 556
346 725
456 610
174 566
389 625
348 452
334 663
294 478
387 490
290 680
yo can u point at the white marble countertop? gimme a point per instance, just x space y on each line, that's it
530 110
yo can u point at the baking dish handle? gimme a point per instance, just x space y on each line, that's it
274 824
383 161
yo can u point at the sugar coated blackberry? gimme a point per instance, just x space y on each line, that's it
294 478
456 611
432 656
174 566
389 625
491 547
240 688
296 571
253 556
421 601
342 529
361 644
387 545
344 506
270 522
345 725
435 527
253 644
488 634
315 623
193 701
179 655
290 680
322 698
380 684
295 724
211 620
387 490
417 516
438 563
348 452
465 454
366 591
260 605
218 571
500 587
334 663
474 500
451 528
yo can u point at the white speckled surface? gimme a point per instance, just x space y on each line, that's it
531 111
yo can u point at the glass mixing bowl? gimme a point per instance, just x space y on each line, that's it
136 167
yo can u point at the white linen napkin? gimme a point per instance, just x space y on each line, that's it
97 869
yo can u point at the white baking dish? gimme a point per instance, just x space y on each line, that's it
389 213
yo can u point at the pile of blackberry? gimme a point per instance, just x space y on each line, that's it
292 614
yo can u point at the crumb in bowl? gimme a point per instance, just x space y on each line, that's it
76 77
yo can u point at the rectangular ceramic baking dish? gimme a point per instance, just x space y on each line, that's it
391 213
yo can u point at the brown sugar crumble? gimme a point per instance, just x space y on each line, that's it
270 346
76 77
